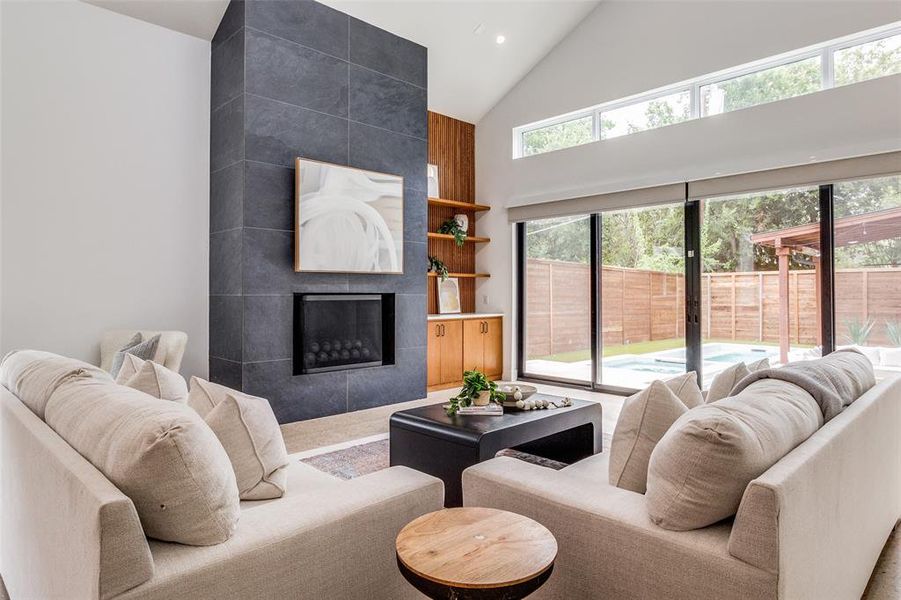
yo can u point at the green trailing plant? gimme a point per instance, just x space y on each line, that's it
859 331
474 383
453 228
893 332
437 266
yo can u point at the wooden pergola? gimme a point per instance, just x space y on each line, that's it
805 239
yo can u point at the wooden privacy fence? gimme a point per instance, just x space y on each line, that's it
640 305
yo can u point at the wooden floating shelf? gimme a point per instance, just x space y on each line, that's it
469 238
457 204
462 275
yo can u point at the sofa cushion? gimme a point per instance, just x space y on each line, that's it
205 395
131 364
159 382
249 432
644 419
33 375
686 387
160 454
725 380
702 465
757 365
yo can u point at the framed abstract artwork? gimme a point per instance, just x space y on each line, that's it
449 296
347 220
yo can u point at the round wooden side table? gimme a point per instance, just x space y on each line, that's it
475 553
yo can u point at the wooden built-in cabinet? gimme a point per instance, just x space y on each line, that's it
457 345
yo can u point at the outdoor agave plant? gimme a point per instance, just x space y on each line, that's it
859 331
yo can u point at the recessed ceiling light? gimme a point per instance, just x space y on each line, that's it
501 39
812 157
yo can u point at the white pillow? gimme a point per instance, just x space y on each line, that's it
702 465
159 382
160 454
205 395
131 364
249 432
643 420
725 380
758 365
686 388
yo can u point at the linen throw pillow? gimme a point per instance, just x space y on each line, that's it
702 465
249 432
687 389
725 380
159 382
644 419
759 365
131 364
205 395
143 349
160 454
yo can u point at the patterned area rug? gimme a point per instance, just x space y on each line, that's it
369 457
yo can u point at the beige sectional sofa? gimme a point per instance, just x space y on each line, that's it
69 533
811 526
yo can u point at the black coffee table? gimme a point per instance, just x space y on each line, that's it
428 440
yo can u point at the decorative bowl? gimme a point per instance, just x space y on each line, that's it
508 389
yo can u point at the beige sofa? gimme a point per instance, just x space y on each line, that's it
67 532
812 526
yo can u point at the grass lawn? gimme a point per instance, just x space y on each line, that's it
645 348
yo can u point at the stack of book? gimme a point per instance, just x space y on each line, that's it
492 409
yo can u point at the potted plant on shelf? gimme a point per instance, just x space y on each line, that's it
438 267
477 389
452 227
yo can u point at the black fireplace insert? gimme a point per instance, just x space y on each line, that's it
335 332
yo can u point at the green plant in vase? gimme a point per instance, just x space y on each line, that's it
437 266
474 384
453 228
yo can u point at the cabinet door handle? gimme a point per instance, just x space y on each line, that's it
437 330
485 325
443 331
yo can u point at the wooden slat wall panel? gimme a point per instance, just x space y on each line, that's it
452 148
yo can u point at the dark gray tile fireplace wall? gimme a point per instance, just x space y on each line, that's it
301 79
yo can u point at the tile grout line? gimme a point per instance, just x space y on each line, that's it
327 114
345 60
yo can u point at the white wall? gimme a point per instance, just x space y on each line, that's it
625 48
105 179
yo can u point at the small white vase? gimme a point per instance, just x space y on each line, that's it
463 221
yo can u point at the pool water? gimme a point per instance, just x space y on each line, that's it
746 356
646 365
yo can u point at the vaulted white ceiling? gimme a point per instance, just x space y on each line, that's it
469 72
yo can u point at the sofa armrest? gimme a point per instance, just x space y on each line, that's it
822 514
333 542
607 541
67 532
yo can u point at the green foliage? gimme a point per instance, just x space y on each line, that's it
555 137
474 382
452 227
893 332
437 266
859 331
867 61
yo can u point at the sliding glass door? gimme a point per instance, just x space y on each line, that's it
760 286
868 270
617 299
557 299
642 296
